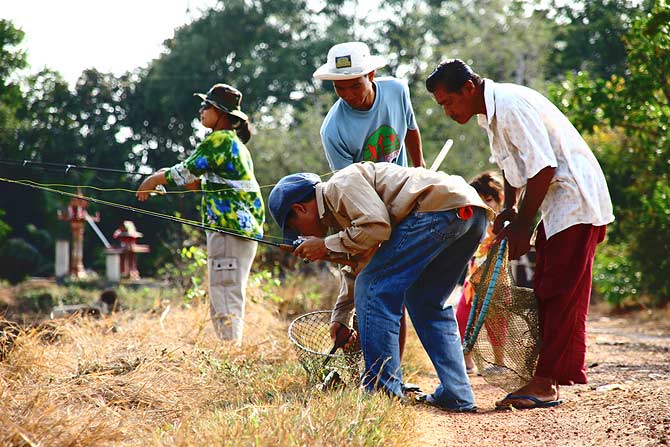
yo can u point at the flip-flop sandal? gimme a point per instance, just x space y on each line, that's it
537 403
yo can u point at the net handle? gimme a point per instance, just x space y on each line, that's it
488 263
470 334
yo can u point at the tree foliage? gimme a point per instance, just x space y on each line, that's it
63 126
638 170
11 61
265 48
589 35
615 90
501 39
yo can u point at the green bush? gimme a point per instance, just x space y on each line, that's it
19 259
636 106
189 273
4 228
615 277
651 250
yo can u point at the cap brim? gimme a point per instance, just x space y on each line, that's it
327 73
238 113
290 235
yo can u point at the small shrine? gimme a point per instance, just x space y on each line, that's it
127 236
77 215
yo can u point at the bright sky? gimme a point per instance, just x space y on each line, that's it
115 36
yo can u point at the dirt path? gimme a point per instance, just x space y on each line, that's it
626 403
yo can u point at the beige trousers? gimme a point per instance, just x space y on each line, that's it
229 260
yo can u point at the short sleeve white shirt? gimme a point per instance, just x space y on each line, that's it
528 133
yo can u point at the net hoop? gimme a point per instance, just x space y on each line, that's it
299 320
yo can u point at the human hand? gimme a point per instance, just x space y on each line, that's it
146 187
518 238
506 215
341 335
312 249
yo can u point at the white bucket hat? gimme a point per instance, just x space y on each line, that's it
348 60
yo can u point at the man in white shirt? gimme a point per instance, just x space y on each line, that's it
542 155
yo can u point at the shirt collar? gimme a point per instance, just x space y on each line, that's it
320 206
325 215
489 100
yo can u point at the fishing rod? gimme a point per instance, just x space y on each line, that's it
67 166
284 247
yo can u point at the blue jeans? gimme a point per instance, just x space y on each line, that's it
418 266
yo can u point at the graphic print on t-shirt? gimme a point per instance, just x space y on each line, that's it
382 145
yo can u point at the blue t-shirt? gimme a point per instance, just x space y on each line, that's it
349 135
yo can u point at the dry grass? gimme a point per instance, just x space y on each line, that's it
137 379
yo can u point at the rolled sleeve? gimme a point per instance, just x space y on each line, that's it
179 175
529 138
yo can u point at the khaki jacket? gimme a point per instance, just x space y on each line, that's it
363 202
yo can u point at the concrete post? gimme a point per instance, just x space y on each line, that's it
62 263
113 265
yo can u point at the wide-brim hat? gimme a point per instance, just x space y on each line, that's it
348 60
225 98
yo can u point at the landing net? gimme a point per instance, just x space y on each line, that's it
310 335
503 328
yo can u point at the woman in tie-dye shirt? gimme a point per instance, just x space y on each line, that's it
231 201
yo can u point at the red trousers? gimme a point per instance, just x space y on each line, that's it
462 314
562 285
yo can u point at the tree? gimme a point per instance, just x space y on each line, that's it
590 35
11 60
266 48
638 170
62 126
503 40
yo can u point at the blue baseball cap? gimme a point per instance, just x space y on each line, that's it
290 189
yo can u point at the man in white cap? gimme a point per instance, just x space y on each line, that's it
372 121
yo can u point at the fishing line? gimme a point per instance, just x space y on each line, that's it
156 214
68 167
